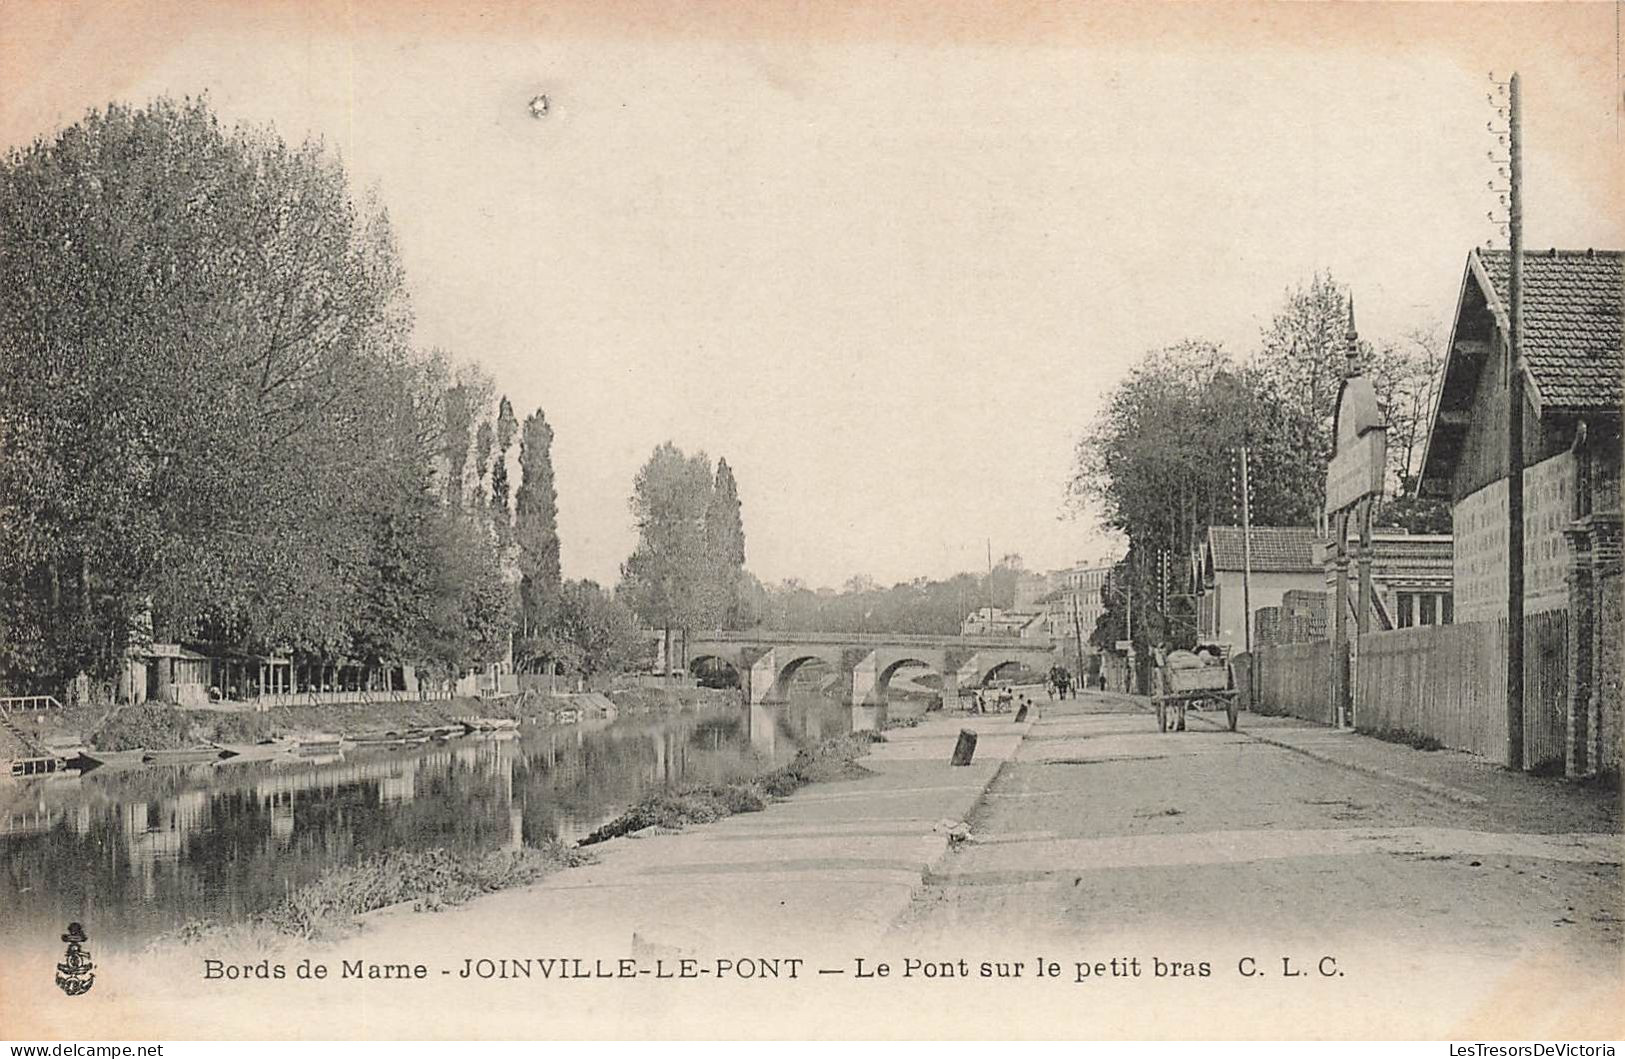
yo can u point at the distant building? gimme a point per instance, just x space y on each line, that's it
1283 559
1032 588
992 621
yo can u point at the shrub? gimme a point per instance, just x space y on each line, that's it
434 878
149 726
830 760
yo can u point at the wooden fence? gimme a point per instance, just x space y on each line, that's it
1296 678
1446 682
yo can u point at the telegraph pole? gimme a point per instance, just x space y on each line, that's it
990 586
1246 557
1515 432
1077 631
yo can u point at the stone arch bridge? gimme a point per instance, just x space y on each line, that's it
767 661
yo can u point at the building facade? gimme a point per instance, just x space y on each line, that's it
1283 559
1573 304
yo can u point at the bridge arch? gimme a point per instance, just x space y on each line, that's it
992 667
793 662
883 679
715 670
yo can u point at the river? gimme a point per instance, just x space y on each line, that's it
134 853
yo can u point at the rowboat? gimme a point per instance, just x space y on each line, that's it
491 724
185 755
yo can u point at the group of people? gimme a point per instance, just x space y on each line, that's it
1000 700
1057 684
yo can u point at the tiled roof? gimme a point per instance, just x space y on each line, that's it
1571 322
1275 549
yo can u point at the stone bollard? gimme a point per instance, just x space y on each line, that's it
1021 714
965 749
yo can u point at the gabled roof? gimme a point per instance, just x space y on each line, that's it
1571 322
1275 549
1572 308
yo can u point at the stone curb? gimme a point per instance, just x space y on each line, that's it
930 866
1441 790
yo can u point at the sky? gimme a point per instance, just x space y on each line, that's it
885 260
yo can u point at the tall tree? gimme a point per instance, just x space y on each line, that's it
198 325
501 502
666 576
1158 464
725 547
536 533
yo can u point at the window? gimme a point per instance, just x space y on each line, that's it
1447 609
1428 600
1405 610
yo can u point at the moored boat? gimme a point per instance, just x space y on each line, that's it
185 755
491 724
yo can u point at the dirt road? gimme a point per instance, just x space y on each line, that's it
1105 838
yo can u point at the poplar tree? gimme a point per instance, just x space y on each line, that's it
536 534
725 547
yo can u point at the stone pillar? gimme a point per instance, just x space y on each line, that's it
970 672
950 689
759 678
865 681
1579 710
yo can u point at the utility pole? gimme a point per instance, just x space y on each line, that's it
1515 433
1246 557
1077 629
990 586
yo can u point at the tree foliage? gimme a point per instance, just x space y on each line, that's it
1162 460
600 633
213 425
725 549
536 537
667 576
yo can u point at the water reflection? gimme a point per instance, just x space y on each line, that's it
133 853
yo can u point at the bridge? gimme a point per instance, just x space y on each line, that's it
767 661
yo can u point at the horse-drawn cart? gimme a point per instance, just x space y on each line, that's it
1184 680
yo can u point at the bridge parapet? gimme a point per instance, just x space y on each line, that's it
874 639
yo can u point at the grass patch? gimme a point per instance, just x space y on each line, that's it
1414 740
830 760
150 726
433 879
901 722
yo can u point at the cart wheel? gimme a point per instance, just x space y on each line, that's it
1230 708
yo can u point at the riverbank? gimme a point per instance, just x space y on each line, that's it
158 726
